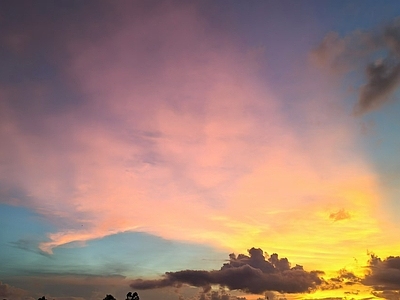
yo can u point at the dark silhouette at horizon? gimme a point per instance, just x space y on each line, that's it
129 296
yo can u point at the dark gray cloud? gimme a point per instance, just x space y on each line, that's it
253 273
390 295
376 52
384 274
383 78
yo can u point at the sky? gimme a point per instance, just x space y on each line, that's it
200 150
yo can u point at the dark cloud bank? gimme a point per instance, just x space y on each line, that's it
384 274
257 273
376 51
253 273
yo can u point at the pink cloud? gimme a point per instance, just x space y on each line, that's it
179 136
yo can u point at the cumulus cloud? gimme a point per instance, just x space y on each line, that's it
384 274
253 273
359 50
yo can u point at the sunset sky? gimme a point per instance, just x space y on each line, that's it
200 150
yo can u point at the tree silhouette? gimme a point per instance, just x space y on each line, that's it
129 296
132 296
44 298
108 297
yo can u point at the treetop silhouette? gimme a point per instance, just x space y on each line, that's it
129 296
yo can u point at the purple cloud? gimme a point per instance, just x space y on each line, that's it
253 273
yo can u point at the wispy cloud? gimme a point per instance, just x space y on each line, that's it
376 51
172 131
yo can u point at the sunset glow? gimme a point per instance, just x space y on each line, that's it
200 150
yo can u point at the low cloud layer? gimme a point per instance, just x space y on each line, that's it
7 291
377 52
253 273
219 295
